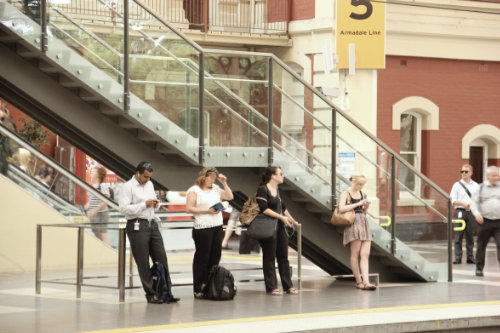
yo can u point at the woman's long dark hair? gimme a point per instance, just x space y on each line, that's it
266 177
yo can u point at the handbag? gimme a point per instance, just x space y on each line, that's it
249 211
262 227
343 219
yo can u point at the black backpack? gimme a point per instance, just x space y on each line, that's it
161 282
220 286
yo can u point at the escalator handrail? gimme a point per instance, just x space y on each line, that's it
42 189
58 168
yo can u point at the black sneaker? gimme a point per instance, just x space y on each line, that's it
457 262
471 261
479 272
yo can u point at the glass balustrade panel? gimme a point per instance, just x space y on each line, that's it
25 21
421 213
302 124
230 123
164 69
236 99
93 29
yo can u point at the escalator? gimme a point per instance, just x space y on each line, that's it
134 94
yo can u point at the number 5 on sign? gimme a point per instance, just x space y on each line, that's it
361 22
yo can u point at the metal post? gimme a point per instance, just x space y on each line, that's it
131 269
126 69
334 158
188 102
299 256
250 133
270 120
43 21
201 122
38 258
393 204
79 263
121 264
450 233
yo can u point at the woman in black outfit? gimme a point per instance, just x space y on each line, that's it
270 203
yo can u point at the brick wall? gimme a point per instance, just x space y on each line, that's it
466 92
302 9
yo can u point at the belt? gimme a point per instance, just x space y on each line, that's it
466 210
140 220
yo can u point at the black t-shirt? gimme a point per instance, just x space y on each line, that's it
266 200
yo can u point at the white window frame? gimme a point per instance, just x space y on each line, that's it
403 194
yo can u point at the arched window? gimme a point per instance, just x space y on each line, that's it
410 142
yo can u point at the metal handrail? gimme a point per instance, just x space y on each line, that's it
121 257
58 168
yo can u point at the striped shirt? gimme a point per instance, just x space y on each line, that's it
94 201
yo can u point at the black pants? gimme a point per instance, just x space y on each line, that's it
470 226
146 242
489 228
272 249
208 244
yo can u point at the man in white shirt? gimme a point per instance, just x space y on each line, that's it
461 194
486 208
138 203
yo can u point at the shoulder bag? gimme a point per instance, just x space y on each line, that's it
262 227
343 219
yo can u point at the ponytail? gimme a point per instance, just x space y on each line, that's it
268 173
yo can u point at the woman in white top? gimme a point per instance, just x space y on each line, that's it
207 231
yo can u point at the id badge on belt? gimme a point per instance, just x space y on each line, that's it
459 215
136 225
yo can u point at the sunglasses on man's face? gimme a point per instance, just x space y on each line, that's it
464 171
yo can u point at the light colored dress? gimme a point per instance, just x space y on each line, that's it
360 229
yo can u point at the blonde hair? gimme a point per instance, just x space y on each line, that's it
468 166
357 179
200 180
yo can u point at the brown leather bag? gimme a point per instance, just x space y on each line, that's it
343 219
249 211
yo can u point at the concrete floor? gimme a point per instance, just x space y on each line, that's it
324 304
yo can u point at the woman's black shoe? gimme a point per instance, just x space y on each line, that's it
172 300
153 299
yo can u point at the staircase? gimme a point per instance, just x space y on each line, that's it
140 100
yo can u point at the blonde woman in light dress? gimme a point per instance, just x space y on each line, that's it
358 236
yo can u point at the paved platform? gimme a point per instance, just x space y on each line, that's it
469 304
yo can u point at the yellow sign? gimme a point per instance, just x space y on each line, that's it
362 23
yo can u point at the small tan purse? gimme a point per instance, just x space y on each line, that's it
343 219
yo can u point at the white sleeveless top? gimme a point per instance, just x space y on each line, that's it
205 200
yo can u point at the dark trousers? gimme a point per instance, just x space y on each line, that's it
208 244
146 242
489 228
272 249
470 225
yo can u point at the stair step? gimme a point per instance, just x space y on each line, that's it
89 96
27 52
127 123
110 110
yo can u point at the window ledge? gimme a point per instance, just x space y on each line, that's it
412 202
